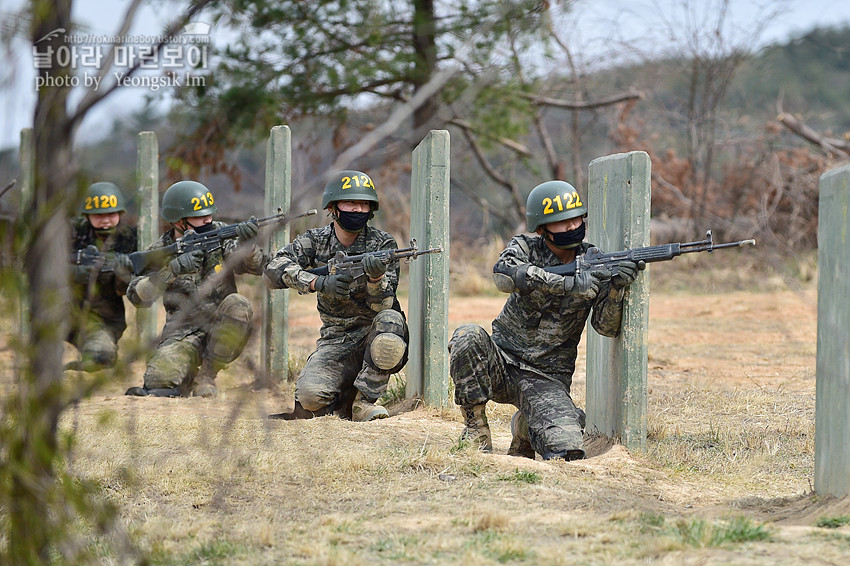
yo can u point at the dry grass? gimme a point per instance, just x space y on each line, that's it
726 478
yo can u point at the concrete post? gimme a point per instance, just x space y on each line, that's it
147 173
832 404
274 342
618 218
428 307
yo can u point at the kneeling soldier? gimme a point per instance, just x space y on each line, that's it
363 339
530 359
207 321
100 274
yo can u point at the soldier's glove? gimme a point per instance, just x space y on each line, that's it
81 274
338 285
187 263
373 267
585 284
122 262
123 267
247 230
627 272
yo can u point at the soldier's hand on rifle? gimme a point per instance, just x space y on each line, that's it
338 285
585 284
247 230
122 262
81 273
373 267
123 267
187 263
627 272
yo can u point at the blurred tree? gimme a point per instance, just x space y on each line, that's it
40 499
710 48
475 65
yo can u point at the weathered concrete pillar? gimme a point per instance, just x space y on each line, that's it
428 307
274 342
147 173
618 218
832 404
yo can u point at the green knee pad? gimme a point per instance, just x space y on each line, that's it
387 342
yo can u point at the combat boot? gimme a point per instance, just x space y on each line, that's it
477 430
363 411
155 392
204 383
520 443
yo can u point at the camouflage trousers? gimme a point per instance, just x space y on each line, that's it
178 356
342 365
481 372
97 342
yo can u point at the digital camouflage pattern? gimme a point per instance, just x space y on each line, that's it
182 290
101 320
348 325
313 249
186 337
530 359
540 331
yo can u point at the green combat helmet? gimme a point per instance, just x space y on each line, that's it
350 185
102 198
553 201
186 199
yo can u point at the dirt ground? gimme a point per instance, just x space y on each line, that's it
718 363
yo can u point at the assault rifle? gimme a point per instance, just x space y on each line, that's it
91 257
353 264
191 241
593 258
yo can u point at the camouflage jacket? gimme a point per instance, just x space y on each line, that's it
540 331
313 249
184 290
104 298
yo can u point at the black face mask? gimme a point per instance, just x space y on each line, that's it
203 228
104 232
566 240
352 221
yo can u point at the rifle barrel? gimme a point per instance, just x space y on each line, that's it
741 243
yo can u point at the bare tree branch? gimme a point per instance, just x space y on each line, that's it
489 169
838 148
7 187
508 143
499 212
392 123
92 96
579 105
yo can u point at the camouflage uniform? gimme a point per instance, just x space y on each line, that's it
342 361
100 323
530 359
216 328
